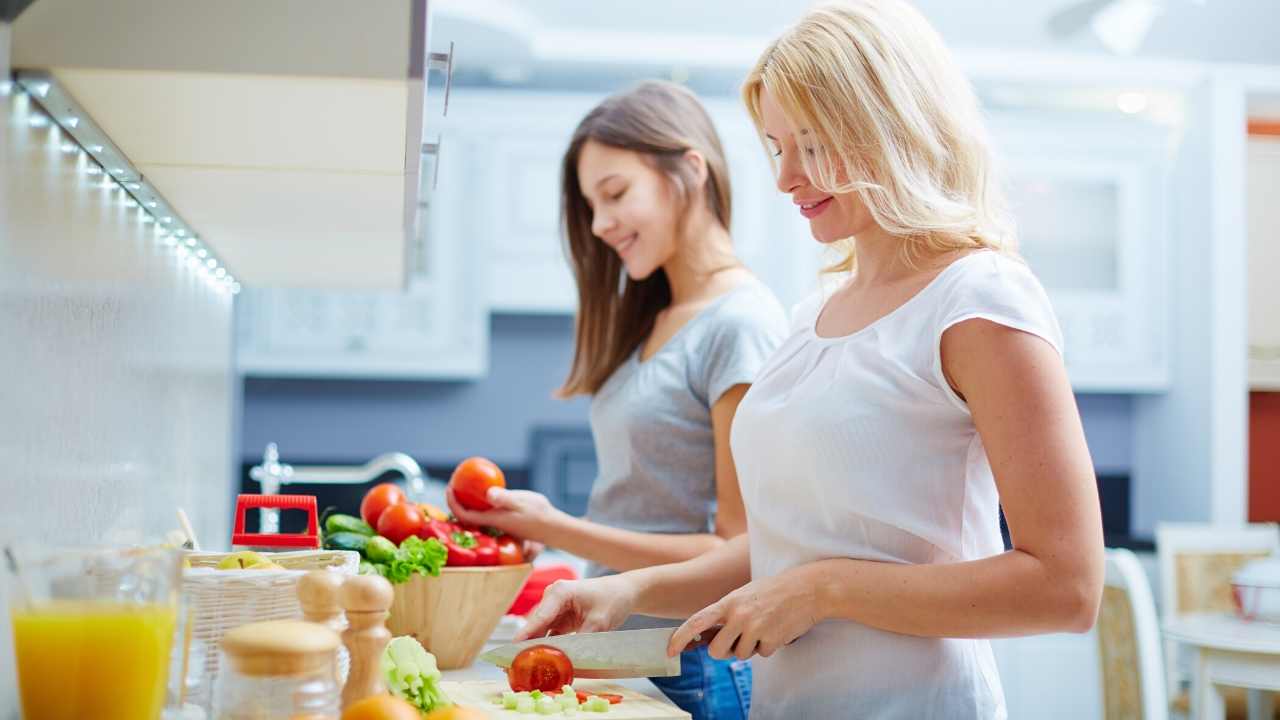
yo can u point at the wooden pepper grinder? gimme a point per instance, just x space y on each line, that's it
367 599
319 595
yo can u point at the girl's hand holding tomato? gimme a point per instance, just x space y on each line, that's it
522 513
472 479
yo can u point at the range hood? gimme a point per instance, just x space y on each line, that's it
288 133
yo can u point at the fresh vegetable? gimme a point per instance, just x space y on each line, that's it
471 481
378 499
411 674
540 667
415 555
401 521
346 541
381 707
486 550
460 543
510 550
565 700
433 513
380 549
338 523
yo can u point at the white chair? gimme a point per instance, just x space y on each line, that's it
1129 644
1196 564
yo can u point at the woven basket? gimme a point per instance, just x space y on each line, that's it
218 600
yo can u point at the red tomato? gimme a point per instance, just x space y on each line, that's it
379 498
613 699
471 481
540 667
400 521
510 551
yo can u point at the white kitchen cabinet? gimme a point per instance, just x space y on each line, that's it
1088 192
1263 217
437 329
1089 197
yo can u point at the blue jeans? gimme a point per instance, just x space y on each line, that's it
709 689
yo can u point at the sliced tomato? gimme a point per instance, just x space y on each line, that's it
540 667
612 698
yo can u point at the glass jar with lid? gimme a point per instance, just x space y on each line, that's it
278 670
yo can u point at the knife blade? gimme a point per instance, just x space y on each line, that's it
611 655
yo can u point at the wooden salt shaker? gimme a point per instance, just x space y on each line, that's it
319 595
367 599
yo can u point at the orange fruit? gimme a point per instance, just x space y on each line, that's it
455 712
381 707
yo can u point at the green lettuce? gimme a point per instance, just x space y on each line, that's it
411 674
415 555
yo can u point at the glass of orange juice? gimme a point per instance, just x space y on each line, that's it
92 630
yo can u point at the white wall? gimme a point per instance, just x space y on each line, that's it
116 398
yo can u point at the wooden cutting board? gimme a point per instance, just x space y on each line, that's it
480 694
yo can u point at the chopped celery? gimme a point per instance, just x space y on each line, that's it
536 694
509 700
595 703
547 705
568 699
525 705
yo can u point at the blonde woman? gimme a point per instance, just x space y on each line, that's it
876 444
671 330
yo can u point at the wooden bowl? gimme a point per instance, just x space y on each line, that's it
452 615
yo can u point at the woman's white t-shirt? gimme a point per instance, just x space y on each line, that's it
857 447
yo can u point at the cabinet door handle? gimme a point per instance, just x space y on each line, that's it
444 63
433 149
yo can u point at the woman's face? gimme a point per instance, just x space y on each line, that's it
632 206
831 217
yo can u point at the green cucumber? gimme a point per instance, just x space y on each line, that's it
337 523
346 541
380 549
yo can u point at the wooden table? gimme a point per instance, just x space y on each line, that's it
1229 651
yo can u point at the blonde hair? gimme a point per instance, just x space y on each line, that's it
892 118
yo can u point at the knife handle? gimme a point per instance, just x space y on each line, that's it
703 638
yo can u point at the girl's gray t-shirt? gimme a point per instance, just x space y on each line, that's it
651 420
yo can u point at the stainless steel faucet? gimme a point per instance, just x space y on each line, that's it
273 474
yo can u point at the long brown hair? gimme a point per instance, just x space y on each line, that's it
662 121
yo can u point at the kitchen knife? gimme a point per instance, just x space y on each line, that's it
617 654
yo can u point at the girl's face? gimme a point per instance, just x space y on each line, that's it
632 206
831 217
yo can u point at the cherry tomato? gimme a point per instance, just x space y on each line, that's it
471 481
540 667
400 521
378 499
510 550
